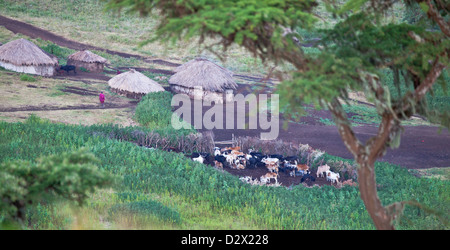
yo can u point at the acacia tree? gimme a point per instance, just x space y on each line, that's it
353 54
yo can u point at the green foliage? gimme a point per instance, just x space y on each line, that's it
356 48
324 81
71 176
45 216
27 78
60 52
437 100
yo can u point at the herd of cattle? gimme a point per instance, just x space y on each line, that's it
234 158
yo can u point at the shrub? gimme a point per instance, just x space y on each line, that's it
58 51
71 176
27 78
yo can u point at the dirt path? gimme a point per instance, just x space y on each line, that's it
29 30
421 146
70 107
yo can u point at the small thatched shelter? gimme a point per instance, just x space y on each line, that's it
133 84
203 79
24 56
87 60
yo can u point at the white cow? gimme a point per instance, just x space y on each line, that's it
321 169
333 177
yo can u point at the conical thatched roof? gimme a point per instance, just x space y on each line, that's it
204 73
87 56
134 82
22 52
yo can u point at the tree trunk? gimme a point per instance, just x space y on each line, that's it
366 161
368 192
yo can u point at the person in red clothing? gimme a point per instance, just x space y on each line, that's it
102 99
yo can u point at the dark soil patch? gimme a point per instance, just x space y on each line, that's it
35 87
156 71
83 76
284 179
69 107
79 91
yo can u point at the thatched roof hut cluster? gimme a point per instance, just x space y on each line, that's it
24 56
203 79
198 78
133 84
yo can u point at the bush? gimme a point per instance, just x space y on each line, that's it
27 78
60 52
71 176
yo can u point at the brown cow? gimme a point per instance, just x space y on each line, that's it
301 168
266 178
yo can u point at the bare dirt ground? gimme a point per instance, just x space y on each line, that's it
421 146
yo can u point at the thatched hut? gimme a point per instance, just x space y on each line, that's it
24 56
87 60
203 79
133 84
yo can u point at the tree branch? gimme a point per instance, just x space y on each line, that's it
346 132
405 104
433 13
429 80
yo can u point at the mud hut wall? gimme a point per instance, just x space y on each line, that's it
198 93
128 94
92 67
43 70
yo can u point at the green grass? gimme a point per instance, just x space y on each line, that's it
154 110
27 78
193 196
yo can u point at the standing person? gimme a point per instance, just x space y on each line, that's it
102 98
